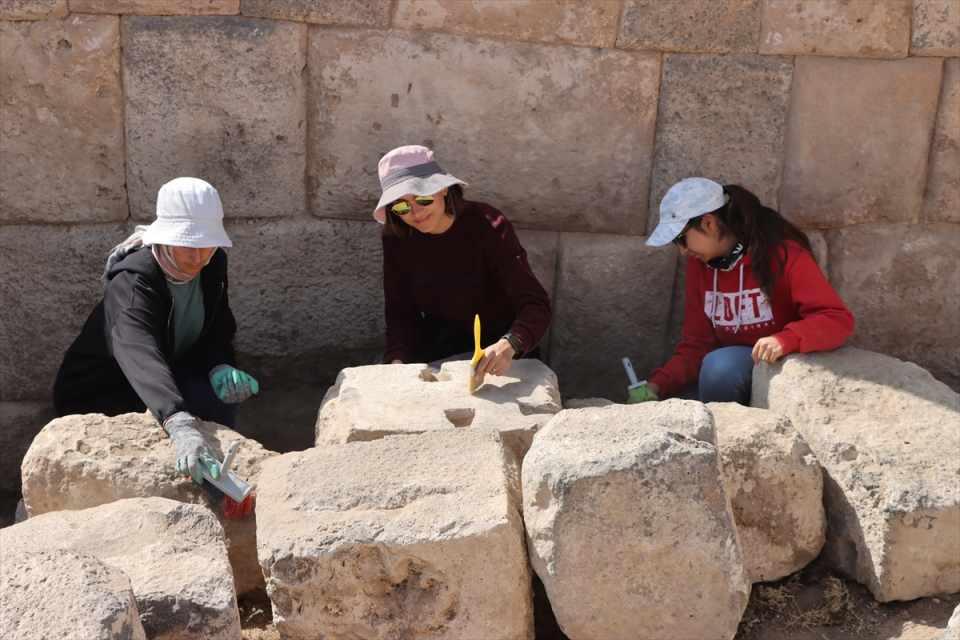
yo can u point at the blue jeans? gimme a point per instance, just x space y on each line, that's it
726 375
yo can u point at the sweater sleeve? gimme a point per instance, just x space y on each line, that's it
697 339
825 322
399 308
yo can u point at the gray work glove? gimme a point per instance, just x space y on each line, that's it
191 450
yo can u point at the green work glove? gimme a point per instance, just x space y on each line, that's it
232 385
191 450
643 393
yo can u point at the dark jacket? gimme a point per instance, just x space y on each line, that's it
125 349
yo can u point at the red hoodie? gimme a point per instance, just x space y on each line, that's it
805 314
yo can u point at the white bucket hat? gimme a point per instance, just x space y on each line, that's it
684 201
409 170
189 214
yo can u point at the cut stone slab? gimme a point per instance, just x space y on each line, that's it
439 90
885 432
375 401
361 13
543 248
775 486
936 28
82 461
158 7
61 121
952 631
609 304
724 117
628 525
60 594
858 139
718 26
19 423
942 197
592 23
856 28
32 9
231 110
173 553
902 283
404 537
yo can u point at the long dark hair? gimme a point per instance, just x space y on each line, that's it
453 204
763 231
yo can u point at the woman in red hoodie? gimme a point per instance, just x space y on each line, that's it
753 293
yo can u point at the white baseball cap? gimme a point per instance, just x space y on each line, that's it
687 199
189 214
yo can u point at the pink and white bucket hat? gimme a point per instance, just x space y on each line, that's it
409 170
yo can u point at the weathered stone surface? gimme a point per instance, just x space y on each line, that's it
612 301
84 461
221 98
722 117
775 487
821 252
882 429
363 13
952 631
591 22
403 537
61 121
56 594
372 402
158 7
936 28
902 283
32 9
858 139
586 403
628 525
942 197
173 553
856 28
376 90
50 283
542 250
719 26
19 423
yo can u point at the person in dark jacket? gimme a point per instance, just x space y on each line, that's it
445 260
162 337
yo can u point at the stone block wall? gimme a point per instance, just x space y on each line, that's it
572 116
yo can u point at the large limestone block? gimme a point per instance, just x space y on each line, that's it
64 595
61 121
19 423
854 28
405 537
886 433
612 301
173 553
942 197
32 9
514 120
775 487
936 28
952 632
902 283
858 137
83 461
628 525
222 98
723 117
158 7
542 249
590 23
718 26
372 402
361 13
50 283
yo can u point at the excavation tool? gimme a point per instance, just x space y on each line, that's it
238 495
631 375
477 353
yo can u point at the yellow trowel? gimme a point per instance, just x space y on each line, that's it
477 353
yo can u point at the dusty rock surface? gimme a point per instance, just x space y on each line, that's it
942 199
720 26
173 553
936 28
403 537
158 7
952 631
361 13
64 595
371 402
32 9
83 461
775 486
19 423
880 428
628 525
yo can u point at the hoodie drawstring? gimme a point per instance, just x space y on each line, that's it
716 298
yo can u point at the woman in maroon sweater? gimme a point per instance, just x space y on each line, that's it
446 259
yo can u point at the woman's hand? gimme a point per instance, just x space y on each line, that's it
767 349
497 360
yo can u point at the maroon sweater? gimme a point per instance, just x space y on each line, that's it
476 267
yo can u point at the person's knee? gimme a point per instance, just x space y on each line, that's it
725 376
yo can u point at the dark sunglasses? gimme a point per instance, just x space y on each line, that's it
681 239
402 207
